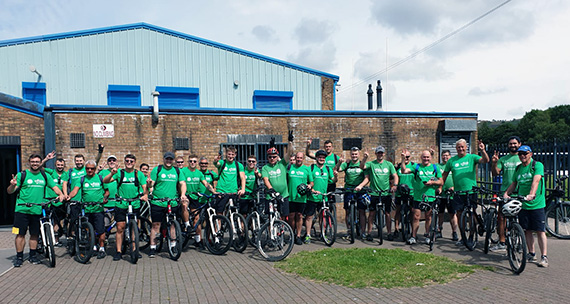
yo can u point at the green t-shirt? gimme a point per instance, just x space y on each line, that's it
210 176
298 175
166 185
32 191
193 181
507 164
72 175
250 183
464 171
448 182
523 176
330 161
277 175
128 189
92 190
228 179
379 174
421 175
58 180
353 175
321 178
112 187
406 178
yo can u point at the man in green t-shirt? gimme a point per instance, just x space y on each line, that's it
353 176
427 179
274 176
130 184
463 167
383 180
210 176
167 182
299 174
231 178
252 176
59 175
505 165
112 187
445 203
529 180
404 191
322 177
74 173
31 189
93 190
331 161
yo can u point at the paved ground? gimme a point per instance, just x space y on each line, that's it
199 277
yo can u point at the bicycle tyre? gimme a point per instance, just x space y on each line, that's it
380 223
278 248
469 229
49 246
160 236
557 219
328 228
144 233
352 224
84 242
434 226
253 227
490 227
176 250
220 241
134 246
405 223
70 243
240 227
516 248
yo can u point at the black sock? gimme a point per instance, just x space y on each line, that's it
20 255
32 252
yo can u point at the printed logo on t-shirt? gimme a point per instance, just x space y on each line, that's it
163 175
30 181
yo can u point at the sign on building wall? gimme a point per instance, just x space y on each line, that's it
103 131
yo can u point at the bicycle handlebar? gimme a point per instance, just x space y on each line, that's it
51 201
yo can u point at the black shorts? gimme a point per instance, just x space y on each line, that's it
59 212
460 201
310 208
403 198
283 207
532 220
221 203
158 214
97 219
121 214
194 204
295 207
23 220
416 206
349 195
374 200
245 206
443 204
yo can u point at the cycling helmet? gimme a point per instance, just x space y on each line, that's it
303 189
404 189
365 199
320 153
512 208
423 206
272 150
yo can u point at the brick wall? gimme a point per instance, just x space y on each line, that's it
30 129
327 98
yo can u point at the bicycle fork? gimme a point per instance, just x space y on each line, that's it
44 220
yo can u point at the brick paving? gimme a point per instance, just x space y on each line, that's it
200 277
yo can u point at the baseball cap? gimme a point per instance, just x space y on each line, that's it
379 149
112 156
169 155
524 148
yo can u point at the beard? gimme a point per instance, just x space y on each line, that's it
513 149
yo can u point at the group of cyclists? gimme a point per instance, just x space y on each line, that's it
300 186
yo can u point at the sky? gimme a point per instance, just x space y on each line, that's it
505 64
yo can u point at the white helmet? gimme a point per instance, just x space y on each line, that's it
512 208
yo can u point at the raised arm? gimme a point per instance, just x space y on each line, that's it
308 149
484 156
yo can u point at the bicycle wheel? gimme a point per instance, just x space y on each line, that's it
253 221
469 229
516 248
240 232
174 239
144 233
40 245
352 224
84 242
275 242
133 245
219 240
380 223
328 228
558 220
49 246
433 229
405 223
70 244
490 226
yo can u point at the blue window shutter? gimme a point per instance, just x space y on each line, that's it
34 91
273 100
178 97
124 95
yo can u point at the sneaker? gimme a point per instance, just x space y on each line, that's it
139 255
396 234
390 237
426 235
369 237
531 257
499 248
101 255
34 260
117 256
459 243
199 245
438 235
363 236
543 262
152 253
298 241
427 241
308 239
59 244
454 236
18 262
412 240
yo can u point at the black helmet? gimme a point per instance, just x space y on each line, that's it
404 189
320 153
303 189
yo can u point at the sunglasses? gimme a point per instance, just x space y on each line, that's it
523 153
272 156
251 161
192 161
87 168
180 162
205 164
128 161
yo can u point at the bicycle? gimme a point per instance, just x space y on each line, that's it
379 219
353 225
275 237
256 218
46 241
82 242
557 217
131 237
434 225
490 219
471 223
327 221
238 223
405 217
515 239
169 230
218 235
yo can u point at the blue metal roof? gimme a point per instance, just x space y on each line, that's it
164 31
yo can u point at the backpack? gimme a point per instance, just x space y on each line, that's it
221 169
328 169
160 168
418 167
23 178
120 181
